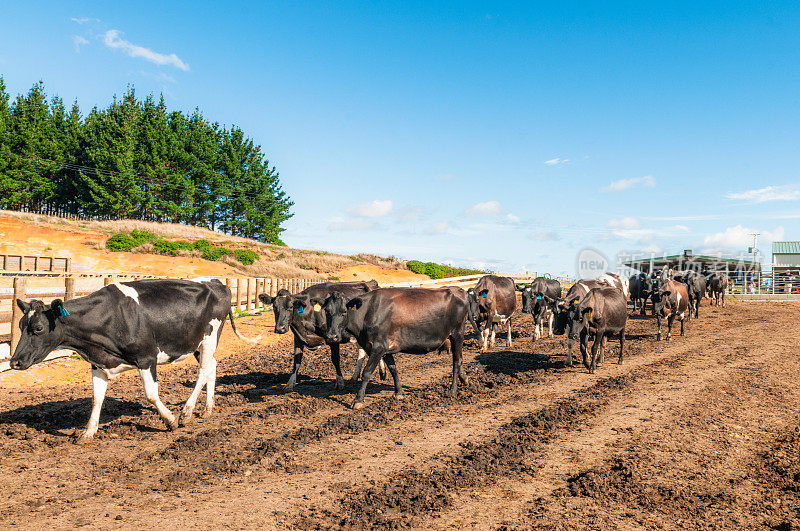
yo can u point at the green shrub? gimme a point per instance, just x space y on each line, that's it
172 248
142 236
203 245
437 271
215 253
120 242
245 256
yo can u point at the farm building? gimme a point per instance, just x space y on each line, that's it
688 260
786 266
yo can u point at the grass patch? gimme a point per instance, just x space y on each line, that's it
436 271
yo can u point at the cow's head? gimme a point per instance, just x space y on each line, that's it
473 308
42 332
334 310
566 313
661 304
579 318
282 305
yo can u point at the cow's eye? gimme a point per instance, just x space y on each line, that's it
38 330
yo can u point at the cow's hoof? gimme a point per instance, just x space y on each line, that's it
339 385
288 388
184 419
172 425
83 438
207 413
357 404
399 396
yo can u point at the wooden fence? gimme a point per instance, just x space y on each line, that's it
17 263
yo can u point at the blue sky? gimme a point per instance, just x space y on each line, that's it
503 135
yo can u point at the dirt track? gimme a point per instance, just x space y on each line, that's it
699 432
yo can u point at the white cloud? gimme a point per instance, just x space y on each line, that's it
79 41
625 184
787 192
84 20
372 209
740 237
556 161
411 214
624 223
113 40
544 236
351 224
489 208
437 228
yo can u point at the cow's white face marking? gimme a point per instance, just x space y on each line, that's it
127 291
30 314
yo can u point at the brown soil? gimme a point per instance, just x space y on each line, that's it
698 432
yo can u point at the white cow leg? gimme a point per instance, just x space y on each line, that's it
99 386
492 336
485 337
211 382
509 334
536 332
188 407
151 392
550 324
359 364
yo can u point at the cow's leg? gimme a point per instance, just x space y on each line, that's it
359 364
392 366
550 325
335 359
569 351
99 386
374 357
509 334
151 393
485 336
682 320
644 307
658 319
456 344
206 376
585 349
296 361
670 320
494 327
723 298
603 349
621 345
596 346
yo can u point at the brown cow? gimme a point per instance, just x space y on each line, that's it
671 301
492 302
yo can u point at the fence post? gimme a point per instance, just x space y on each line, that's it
228 285
20 291
69 288
238 293
69 265
108 280
249 299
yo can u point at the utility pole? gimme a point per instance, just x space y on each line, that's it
755 252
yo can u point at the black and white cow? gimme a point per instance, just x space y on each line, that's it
539 299
392 320
602 312
301 313
696 285
132 325
615 281
640 291
566 311
491 304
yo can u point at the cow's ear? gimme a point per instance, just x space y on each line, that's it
266 299
666 293
24 306
58 308
354 304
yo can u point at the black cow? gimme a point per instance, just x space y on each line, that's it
391 320
717 285
539 299
696 286
492 302
132 325
671 301
301 313
566 308
640 291
602 312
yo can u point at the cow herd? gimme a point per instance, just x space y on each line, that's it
140 325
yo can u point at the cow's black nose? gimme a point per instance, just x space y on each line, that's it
15 364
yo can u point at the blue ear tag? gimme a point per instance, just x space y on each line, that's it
301 309
64 312
538 297
483 294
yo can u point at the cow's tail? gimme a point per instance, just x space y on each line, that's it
252 341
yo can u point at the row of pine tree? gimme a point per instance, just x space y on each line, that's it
135 160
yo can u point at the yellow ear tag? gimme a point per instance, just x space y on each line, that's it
590 314
317 307
353 307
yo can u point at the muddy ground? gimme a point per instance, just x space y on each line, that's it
698 432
